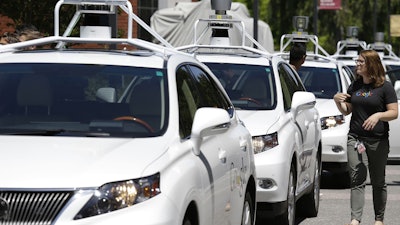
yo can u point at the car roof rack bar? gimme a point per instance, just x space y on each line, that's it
302 38
191 49
125 5
60 41
145 26
54 39
381 47
79 12
341 45
226 24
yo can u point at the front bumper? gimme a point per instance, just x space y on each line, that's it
334 148
272 169
142 213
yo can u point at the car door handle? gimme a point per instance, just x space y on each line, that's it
222 155
307 124
243 144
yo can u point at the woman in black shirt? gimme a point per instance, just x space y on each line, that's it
373 102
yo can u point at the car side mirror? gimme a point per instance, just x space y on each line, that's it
302 100
107 94
207 122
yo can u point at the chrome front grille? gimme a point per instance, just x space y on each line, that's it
39 208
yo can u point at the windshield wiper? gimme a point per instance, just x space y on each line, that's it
58 132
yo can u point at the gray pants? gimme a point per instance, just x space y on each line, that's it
375 159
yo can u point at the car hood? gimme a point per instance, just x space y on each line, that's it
326 107
258 122
69 162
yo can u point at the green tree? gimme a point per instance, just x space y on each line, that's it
331 24
40 14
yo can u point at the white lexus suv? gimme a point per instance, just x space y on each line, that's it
103 136
281 116
325 76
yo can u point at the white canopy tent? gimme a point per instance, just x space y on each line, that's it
176 24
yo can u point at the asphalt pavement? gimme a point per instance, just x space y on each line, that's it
335 204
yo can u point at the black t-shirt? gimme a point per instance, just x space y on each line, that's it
367 100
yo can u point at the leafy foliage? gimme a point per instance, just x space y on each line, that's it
38 14
332 24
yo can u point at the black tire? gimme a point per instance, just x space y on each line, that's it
309 204
248 210
187 221
289 217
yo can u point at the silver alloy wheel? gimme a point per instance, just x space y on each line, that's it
248 212
317 184
291 199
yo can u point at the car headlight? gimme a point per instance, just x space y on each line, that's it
265 142
119 195
331 121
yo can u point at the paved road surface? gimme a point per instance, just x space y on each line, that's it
335 205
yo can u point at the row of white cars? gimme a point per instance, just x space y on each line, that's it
325 76
136 133
199 134
280 114
152 134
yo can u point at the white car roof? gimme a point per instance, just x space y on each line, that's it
85 57
236 59
321 64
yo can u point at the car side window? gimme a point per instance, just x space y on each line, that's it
290 84
188 100
349 74
195 90
212 96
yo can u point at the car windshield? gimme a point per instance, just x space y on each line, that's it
323 82
249 87
82 100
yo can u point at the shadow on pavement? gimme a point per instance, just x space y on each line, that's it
334 180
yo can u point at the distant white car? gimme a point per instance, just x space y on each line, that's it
394 125
325 76
281 116
103 136
392 66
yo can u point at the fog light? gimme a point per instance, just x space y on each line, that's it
266 183
337 148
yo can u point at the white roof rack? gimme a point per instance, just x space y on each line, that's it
125 5
381 47
349 43
111 7
286 39
222 22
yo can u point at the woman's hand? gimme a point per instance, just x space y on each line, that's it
341 97
370 123
390 114
343 106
